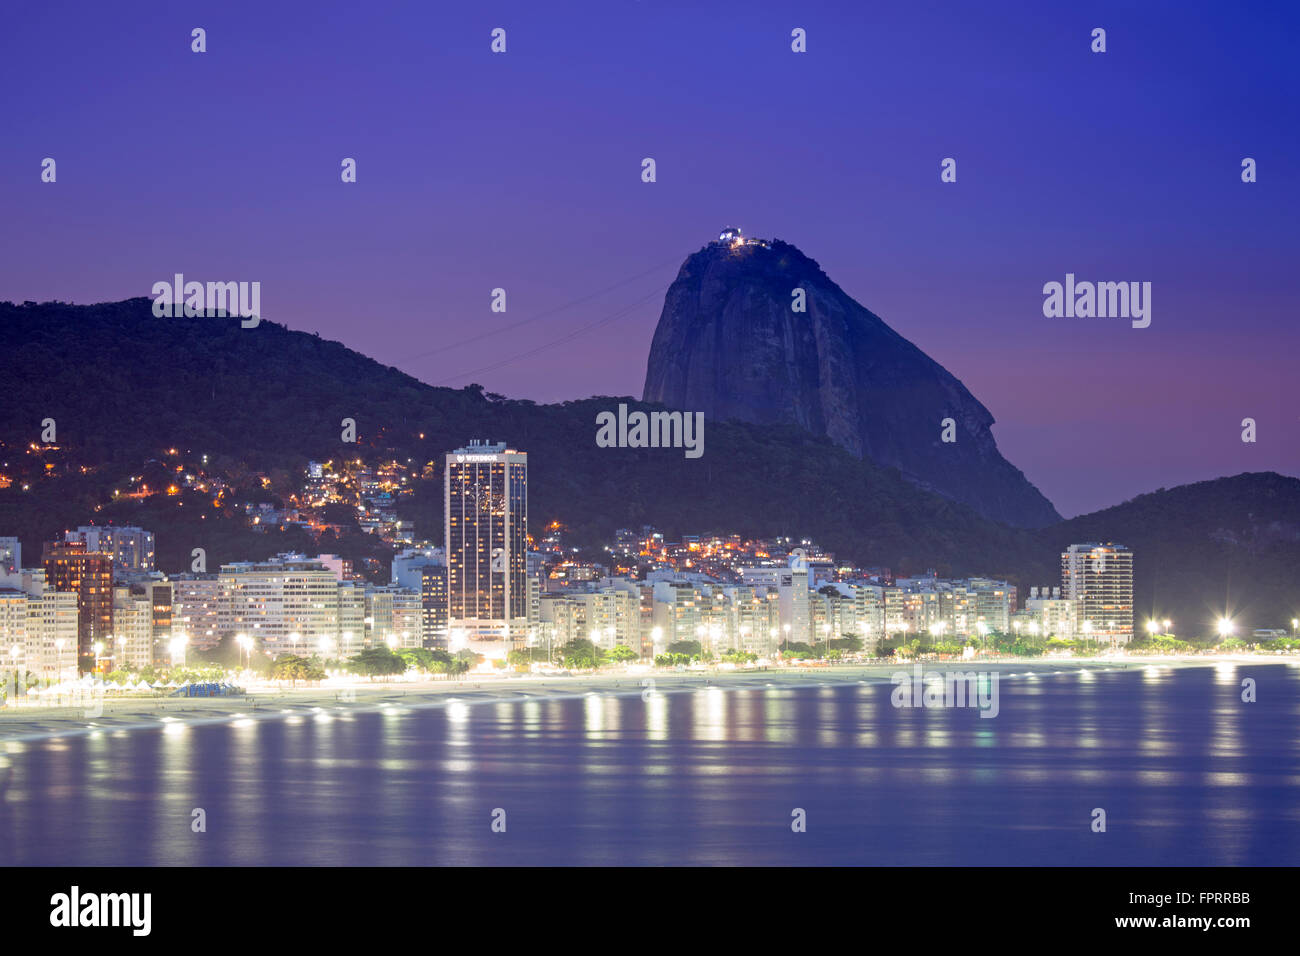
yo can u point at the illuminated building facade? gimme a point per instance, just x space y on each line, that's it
1099 578
71 568
131 548
486 525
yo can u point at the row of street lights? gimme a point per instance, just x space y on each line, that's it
325 642
176 646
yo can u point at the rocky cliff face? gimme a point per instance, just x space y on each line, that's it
730 345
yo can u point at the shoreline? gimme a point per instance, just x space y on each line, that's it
336 698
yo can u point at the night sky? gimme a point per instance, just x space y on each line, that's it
523 171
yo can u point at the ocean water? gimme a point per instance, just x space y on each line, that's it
1186 772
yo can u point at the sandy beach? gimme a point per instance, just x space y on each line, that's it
338 698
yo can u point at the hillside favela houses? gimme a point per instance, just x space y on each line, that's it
96 602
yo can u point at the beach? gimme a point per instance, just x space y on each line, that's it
336 697
707 771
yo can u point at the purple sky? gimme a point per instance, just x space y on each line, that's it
523 171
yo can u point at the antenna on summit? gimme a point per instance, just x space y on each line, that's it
733 236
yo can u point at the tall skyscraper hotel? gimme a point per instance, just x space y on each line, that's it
486 523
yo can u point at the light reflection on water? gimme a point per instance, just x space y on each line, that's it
1187 773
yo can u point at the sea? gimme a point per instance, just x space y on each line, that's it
1135 766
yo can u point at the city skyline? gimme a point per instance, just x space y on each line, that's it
490 589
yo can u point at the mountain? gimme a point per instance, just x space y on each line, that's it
730 344
1230 545
122 386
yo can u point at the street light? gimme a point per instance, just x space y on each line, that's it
177 646
19 680
458 639
1226 627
